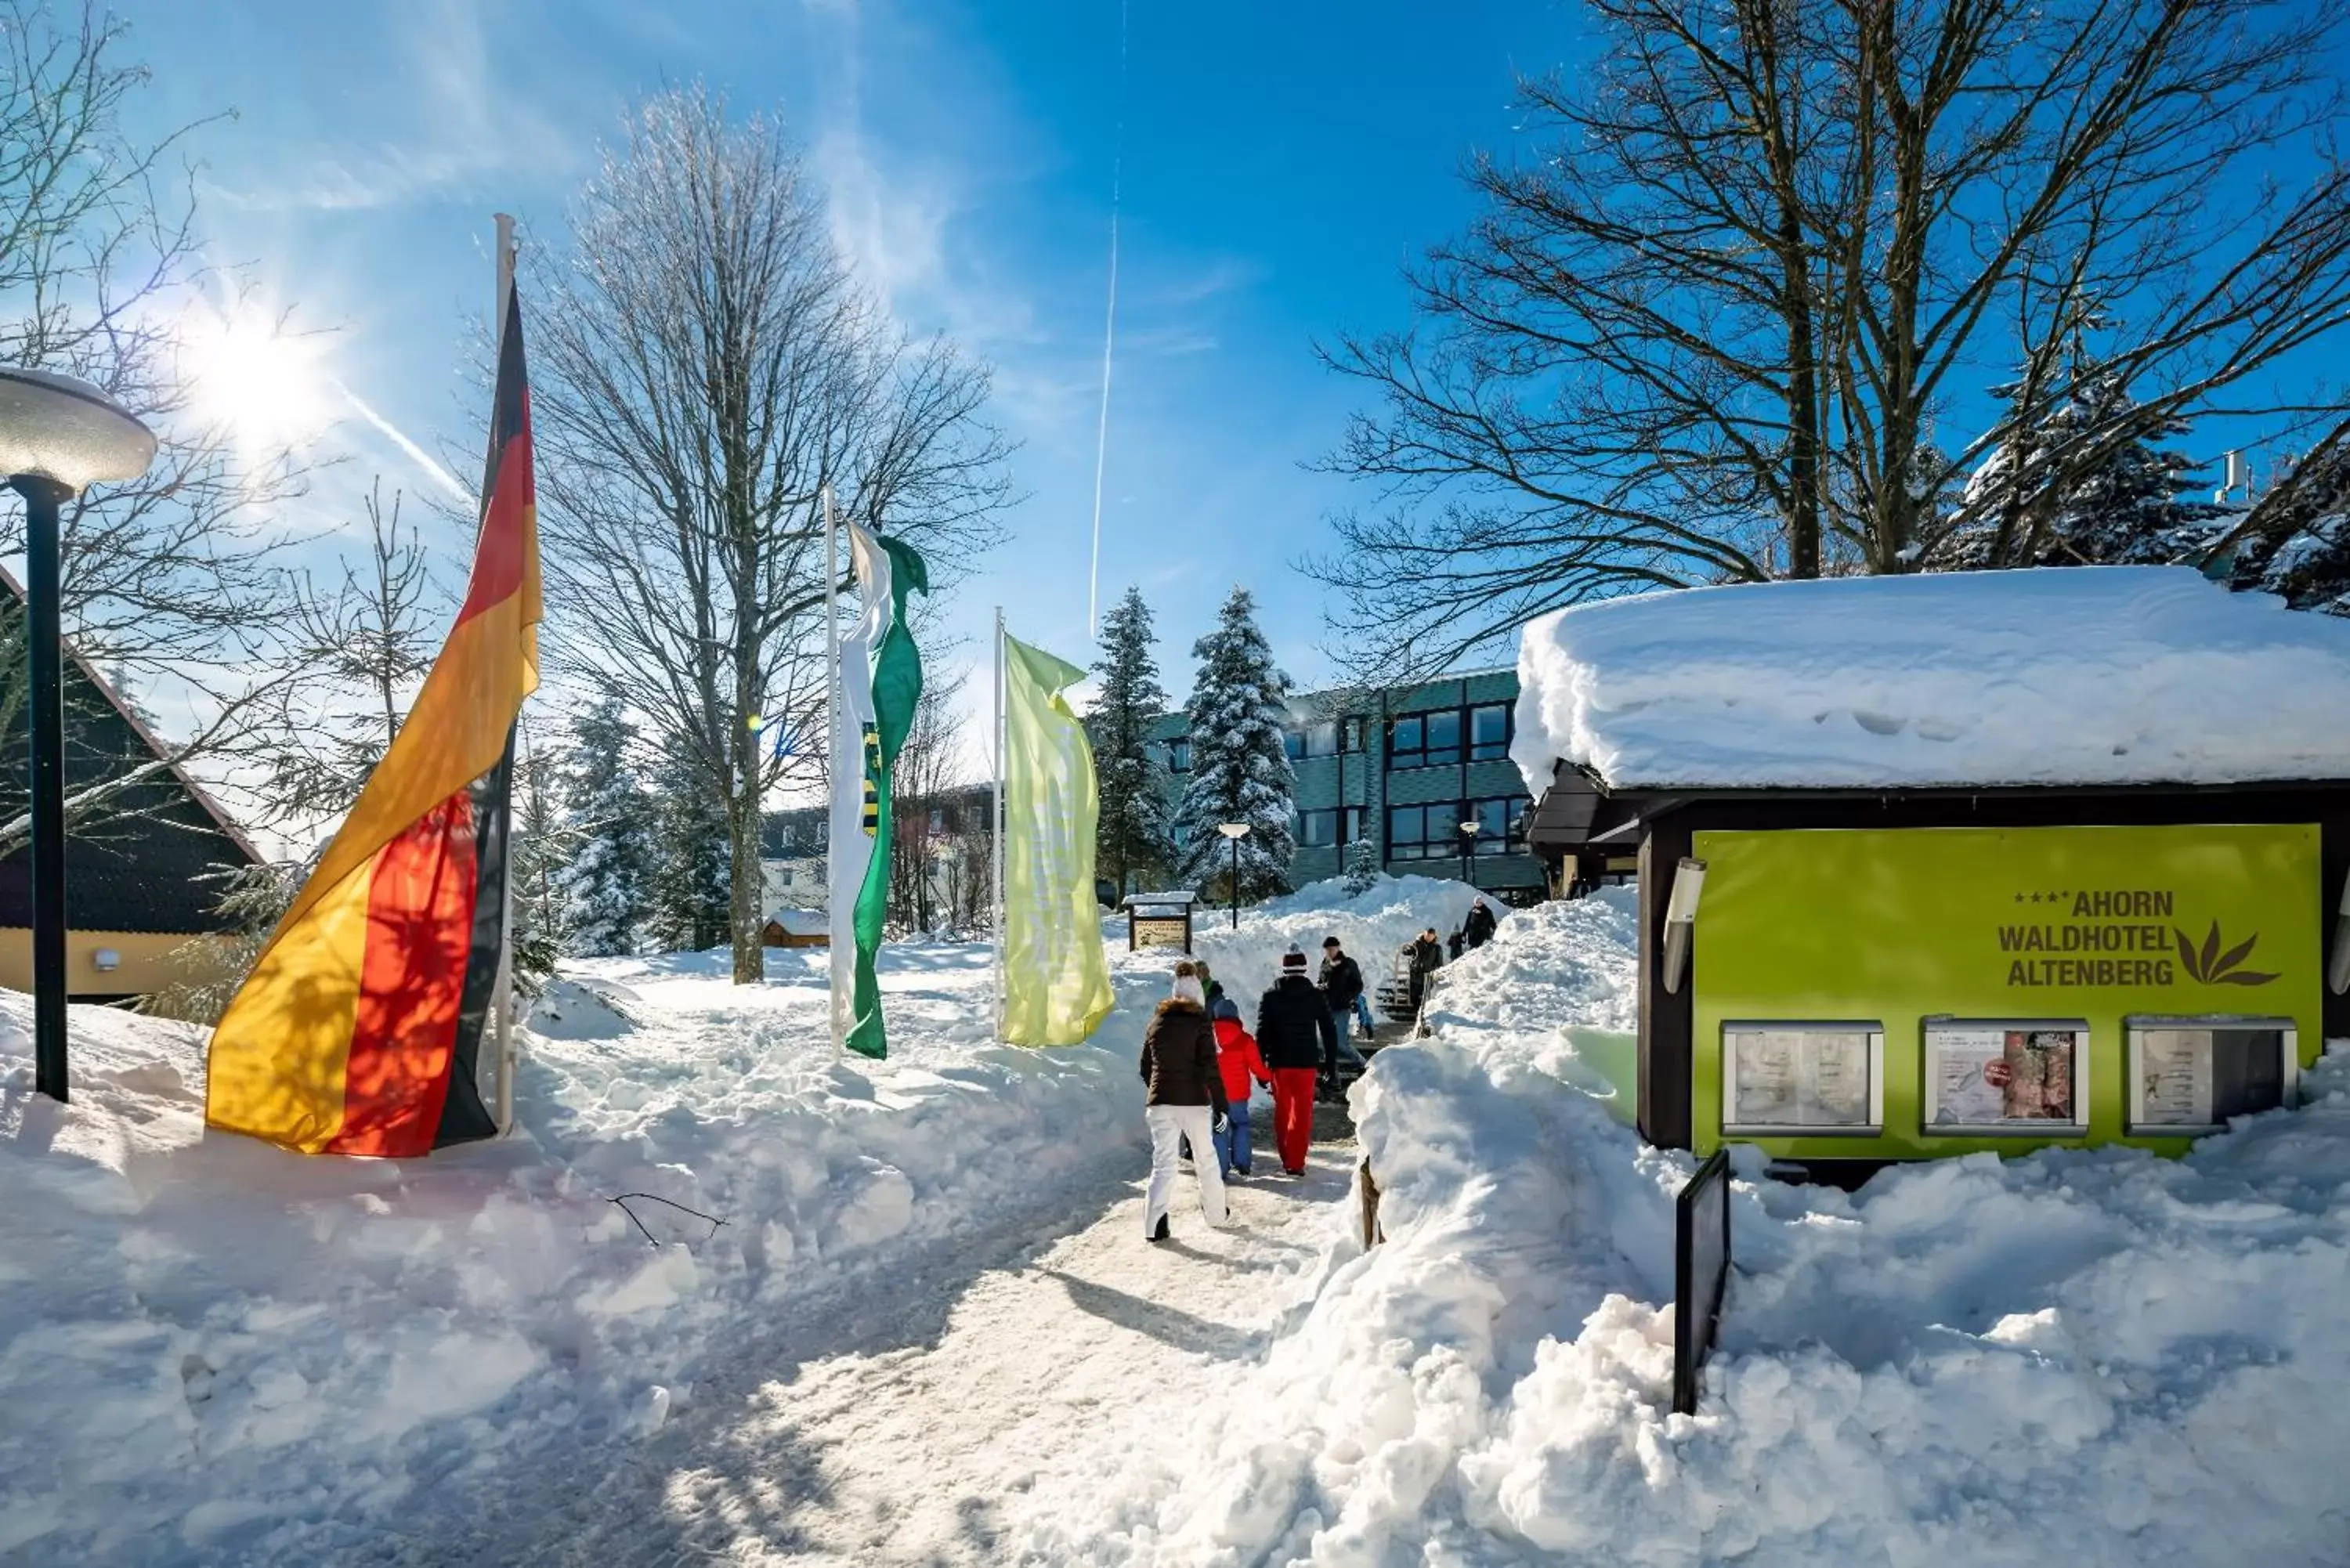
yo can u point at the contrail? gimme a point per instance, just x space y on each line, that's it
422 458
1110 334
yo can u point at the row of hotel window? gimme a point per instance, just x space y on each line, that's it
1422 832
1993 1076
1414 740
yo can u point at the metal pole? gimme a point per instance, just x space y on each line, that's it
1236 882
506 1057
996 836
832 752
43 496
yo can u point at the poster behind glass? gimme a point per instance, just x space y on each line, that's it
1792 1077
2004 1077
2193 1076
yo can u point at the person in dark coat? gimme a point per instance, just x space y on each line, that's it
1341 986
1299 1043
1184 1097
1477 928
1426 958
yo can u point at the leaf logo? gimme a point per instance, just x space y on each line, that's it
2212 967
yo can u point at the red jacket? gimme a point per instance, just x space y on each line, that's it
1236 1055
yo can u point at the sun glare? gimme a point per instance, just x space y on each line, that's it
262 382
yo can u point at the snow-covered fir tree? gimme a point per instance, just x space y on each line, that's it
1362 867
1239 765
2296 542
1132 838
2085 483
608 886
540 845
692 872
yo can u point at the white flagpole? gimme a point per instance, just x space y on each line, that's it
506 1057
997 836
832 754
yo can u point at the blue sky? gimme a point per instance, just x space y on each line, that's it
1282 162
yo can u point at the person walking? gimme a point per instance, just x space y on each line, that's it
1299 1044
1477 928
1341 986
1426 958
1237 1059
1184 1097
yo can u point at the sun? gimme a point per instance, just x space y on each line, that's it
256 377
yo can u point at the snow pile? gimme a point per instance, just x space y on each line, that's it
2090 1357
217 1349
2092 675
1370 926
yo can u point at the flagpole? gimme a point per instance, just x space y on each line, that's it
506 1063
996 837
832 757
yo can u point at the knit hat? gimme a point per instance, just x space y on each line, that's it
1329 943
1187 986
1224 1009
1293 961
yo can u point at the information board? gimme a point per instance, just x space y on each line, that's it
2193 1075
1161 931
2041 931
1802 1077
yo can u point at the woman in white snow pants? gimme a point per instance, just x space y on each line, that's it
1185 1098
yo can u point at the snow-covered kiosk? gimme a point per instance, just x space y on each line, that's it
1938 864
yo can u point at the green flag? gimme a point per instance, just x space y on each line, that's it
881 682
1056 981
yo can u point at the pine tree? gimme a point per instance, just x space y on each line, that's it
692 873
540 846
607 886
1132 837
1362 867
2044 501
1239 765
2295 543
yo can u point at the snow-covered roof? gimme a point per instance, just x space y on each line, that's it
2073 676
802 922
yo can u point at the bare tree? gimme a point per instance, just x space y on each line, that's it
928 789
1706 332
168 579
706 365
372 637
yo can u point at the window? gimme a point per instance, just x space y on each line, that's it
1350 734
1407 833
1433 832
1354 823
1425 739
1293 742
1488 733
1179 754
1317 829
1311 741
1501 825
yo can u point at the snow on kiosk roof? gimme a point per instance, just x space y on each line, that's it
2088 676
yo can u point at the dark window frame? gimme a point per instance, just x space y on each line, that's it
1491 751
1305 839
1420 752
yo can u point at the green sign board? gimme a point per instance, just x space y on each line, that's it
1950 989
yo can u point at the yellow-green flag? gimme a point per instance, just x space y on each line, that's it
1056 981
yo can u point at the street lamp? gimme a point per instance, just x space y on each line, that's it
1235 831
57 436
1469 831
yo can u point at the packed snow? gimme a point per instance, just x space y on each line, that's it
930 1331
2091 675
2095 1358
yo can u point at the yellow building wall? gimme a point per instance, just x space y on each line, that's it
149 961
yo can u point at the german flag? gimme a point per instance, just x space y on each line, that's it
359 1029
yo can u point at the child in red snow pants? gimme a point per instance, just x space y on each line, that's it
1292 1115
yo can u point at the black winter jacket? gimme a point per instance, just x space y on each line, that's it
1342 982
1477 928
1178 1059
1293 1028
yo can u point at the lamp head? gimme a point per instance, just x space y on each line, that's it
1233 830
68 431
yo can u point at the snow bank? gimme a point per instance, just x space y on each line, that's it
2091 675
213 1347
2091 1357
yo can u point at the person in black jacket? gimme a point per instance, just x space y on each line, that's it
1426 958
1477 928
1342 987
1299 1044
1185 1096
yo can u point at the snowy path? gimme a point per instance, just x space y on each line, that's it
903 1422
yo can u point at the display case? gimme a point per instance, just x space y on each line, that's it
2018 1077
2189 1075
1812 1079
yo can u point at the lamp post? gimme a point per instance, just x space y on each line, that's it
1469 831
1235 831
57 436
